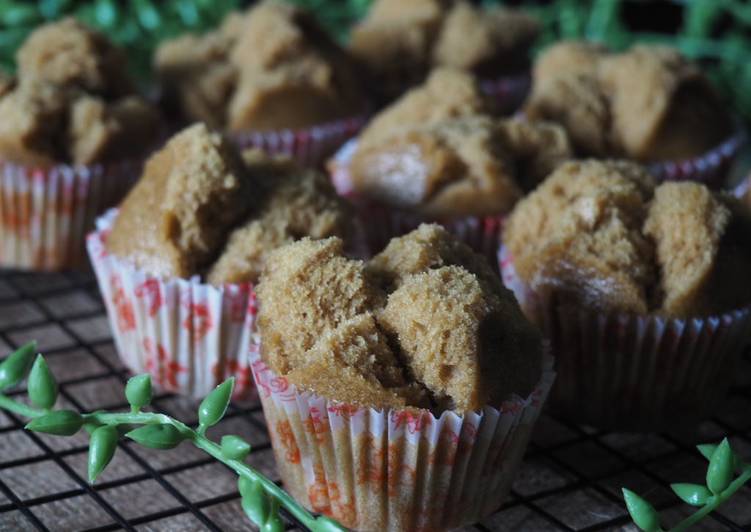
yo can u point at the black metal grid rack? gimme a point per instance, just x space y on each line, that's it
570 480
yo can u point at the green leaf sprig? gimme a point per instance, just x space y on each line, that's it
261 498
726 474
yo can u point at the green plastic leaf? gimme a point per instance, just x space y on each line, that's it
255 502
234 447
213 407
326 524
164 436
693 494
274 524
720 470
138 391
707 449
14 368
642 513
101 449
59 422
42 386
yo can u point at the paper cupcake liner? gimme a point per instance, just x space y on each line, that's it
189 336
395 469
507 93
309 146
710 168
630 372
45 213
381 223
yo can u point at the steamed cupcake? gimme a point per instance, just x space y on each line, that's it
437 154
393 388
178 263
640 288
399 42
648 104
73 132
270 77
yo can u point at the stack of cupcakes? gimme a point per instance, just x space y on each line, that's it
73 133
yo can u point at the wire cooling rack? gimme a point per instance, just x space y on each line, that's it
570 480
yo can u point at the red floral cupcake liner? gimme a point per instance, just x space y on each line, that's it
710 168
380 223
507 93
629 372
395 469
189 336
45 213
309 146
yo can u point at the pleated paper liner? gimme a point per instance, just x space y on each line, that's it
508 92
395 469
381 223
309 146
629 372
710 168
45 213
190 336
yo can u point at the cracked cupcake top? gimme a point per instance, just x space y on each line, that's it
202 208
426 323
648 103
72 101
601 234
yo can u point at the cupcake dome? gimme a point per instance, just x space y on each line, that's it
648 104
639 289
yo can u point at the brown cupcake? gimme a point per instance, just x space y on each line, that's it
180 297
364 349
399 43
264 75
597 247
649 104
73 134
437 154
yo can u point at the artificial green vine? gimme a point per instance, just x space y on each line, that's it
726 474
260 497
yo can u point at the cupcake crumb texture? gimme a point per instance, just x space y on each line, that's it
601 234
438 151
202 208
648 103
399 42
269 68
72 101
424 324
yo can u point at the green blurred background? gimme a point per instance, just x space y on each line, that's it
715 32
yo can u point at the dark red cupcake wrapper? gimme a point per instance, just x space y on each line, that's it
309 146
508 93
629 372
710 168
45 213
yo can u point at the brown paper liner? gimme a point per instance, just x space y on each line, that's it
188 335
395 469
45 213
629 372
